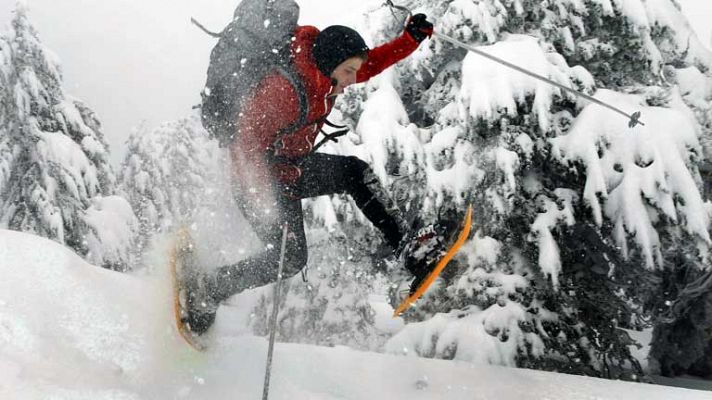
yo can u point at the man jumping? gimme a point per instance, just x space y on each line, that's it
273 172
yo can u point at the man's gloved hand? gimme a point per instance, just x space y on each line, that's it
419 27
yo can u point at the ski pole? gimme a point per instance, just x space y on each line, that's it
633 119
275 311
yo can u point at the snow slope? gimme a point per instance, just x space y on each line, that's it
70 330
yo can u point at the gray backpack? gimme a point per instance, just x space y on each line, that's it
255 43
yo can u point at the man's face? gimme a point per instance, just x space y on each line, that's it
345 73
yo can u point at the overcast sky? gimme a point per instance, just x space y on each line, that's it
699 12
142 60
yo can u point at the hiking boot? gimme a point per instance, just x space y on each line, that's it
421 254
425 248
198 302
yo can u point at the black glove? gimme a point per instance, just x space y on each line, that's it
419 27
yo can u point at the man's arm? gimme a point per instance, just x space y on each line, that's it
382 57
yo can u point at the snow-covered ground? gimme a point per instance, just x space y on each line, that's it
70 330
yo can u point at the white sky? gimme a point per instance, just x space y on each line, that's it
141 60
699 12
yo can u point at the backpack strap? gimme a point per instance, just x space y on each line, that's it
290 74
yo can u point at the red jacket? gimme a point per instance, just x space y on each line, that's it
275 106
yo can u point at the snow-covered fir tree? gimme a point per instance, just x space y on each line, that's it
55 177
167 175
584 226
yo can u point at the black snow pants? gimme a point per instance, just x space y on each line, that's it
322 174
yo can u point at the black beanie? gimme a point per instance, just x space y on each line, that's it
336 44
